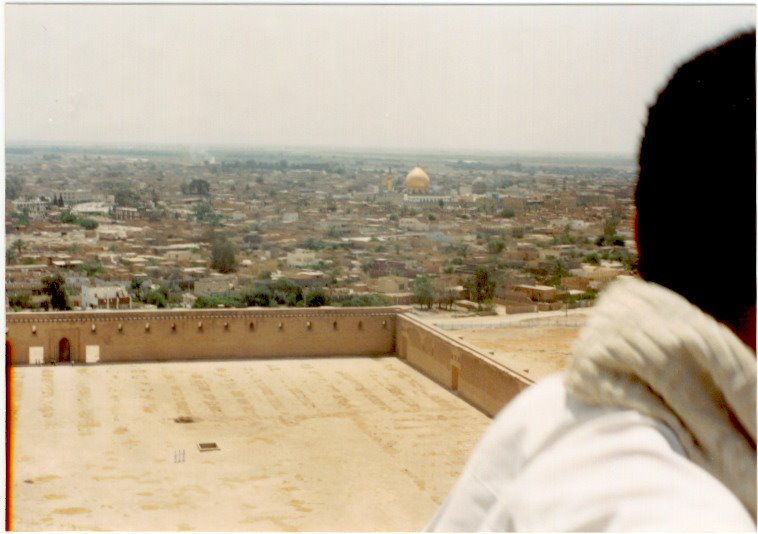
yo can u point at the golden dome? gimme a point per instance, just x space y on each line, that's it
417 181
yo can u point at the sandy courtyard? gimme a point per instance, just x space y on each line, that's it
534 348
318 444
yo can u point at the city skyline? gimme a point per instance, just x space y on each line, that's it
501 79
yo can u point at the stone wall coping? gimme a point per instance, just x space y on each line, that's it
230 313
450 339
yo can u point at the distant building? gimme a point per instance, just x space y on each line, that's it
391 284
215 285
81 195
427 199
388 182
517 204
539 293
301 257
121 213
35 209
105 297
91 207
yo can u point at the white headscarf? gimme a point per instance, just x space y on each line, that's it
647 348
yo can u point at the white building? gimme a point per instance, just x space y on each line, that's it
427 199
301 257
105 297
36 208
125 214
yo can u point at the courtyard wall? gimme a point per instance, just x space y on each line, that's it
121 336
163 335
476 377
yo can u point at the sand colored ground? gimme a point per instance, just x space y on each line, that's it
535 353
340 444
533 346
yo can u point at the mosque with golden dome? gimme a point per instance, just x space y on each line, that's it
417 181
417 188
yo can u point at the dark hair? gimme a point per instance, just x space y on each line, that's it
695 194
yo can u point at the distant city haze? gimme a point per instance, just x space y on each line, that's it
554 79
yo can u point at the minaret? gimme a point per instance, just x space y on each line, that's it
389 182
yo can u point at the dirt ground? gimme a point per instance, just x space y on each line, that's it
348 444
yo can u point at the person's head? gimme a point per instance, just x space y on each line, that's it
695 195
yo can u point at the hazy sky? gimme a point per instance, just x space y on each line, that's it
502 78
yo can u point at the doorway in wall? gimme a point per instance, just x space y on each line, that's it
454 379
64 350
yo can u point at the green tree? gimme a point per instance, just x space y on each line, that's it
495 247
10 256
480 286
287 292
555 272
157 297
19 301
316 297
366 300
23 217
215 301
92 269
609 237
87 224
260 296
124 197
312 244
592 259
68 218
137 285
565 238
19 245
205 214
54 286
423 292
222 256
14 185
445 297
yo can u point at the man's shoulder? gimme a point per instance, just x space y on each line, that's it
549 462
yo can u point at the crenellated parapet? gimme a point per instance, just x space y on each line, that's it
163 315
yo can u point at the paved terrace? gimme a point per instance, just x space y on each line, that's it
340 444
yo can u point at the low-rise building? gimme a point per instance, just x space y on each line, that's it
539 293
105 297
215 285
301 258
122 213
35 208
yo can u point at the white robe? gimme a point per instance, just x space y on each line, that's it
552 462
